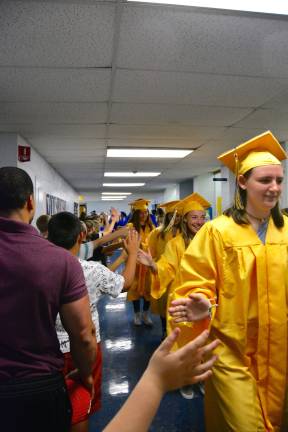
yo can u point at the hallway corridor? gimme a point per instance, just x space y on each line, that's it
126 351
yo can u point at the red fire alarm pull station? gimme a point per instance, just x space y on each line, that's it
24 153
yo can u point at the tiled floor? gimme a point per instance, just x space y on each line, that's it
126 351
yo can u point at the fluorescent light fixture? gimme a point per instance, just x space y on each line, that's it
116 193
107 197
278 7
132 174
123 184
112 199
147 153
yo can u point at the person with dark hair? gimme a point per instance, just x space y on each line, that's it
64 230
140 289
42 224
16 191
38 280
239 260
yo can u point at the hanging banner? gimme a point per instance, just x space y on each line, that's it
24 153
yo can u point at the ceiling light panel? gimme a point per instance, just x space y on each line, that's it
132 174
147 153
113 196
123 184
112 199
116 193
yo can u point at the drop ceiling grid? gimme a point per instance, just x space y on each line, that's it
182 79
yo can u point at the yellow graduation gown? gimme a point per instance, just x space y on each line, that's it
156 245
142 281
168 266
247 389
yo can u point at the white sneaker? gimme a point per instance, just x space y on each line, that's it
201 387
187 392
146 319
137 319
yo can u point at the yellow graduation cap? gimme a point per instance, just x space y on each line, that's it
139 204
261 150
193 202
170 206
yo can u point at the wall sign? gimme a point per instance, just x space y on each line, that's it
24 153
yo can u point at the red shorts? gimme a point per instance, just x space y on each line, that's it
79 395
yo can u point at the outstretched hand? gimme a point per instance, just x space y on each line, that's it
192 308
132 242
172 370
144 258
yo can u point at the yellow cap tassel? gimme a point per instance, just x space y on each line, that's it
237 197
171 223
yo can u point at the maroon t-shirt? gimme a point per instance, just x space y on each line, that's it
36 278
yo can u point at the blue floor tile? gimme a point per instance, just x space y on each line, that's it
126 352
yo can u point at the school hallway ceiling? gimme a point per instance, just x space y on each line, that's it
78 76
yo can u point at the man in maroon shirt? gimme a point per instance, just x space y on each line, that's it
37 281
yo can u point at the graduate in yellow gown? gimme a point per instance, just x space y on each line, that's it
165 271
157 241
140 288
241 259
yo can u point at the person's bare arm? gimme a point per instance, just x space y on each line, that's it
166 371
109 249
77 321
131 244
122 232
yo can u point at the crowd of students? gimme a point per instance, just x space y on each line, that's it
217 285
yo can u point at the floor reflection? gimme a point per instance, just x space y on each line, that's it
116 389
126 352
118 344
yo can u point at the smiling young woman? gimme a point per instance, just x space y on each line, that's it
241 259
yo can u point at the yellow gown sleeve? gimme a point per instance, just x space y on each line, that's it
152 242
198 274
167 267
199 270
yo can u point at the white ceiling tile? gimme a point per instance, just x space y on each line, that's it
56 33
49 85
137 165
280 102
71 156
266 119
234 136
189 133
51 130
53 143
56 112
176 114
174 142
196 89
186 39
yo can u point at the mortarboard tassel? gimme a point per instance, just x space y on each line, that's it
237 197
